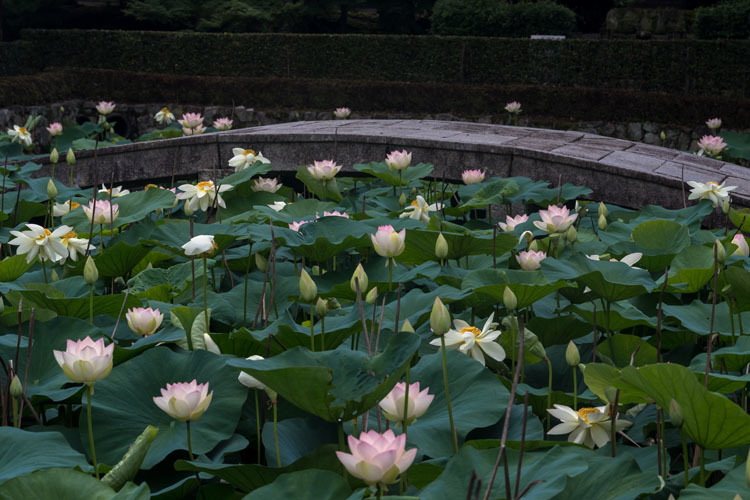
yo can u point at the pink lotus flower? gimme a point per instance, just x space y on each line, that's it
55 129
342 113
711 145
105 107
511 222
194 131
102 212
184 401
555 219
324 170
377 459
335 213
398 160
222 124
714 123
85 360
191 120
294 226
742 247
144 320
472 176
267 185
387 242
530 260
393 404
513 107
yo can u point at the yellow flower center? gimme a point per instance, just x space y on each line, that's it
205 186
585 412
74 205
23 130
471 329
713 183
43 237
165 110
151 186
414 203
69 234
248 152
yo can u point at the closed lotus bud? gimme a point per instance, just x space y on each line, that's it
441 247
361 276
188 210
572 234
51 190
572 356
406 326
727 290
721 254
90 272
440 318
372 295
662 136
16 389
602 222
321 307
675 413
70 158
54 277
261 262
402 199
307 289
602 209
509 299
54 156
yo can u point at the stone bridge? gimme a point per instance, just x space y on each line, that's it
621 172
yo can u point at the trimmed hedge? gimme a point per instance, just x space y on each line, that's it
563 103
18 58
684 67
729 19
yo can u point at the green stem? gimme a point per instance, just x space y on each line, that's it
91 429
322 333
91 304
101 234
448 395
342 441
390 274
663 443
703 467
406 399
400 187
276 434
549 390
205 291
312 327
257 422
685 462
44 270
189 443
15 411
575 388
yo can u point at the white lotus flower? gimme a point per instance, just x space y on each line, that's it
717 193
472 341
419 209
115 192
20 134
244 158
591 427
203 195
200 244
164 116
76 246
38 241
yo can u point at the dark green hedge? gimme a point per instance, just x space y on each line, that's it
684 67
729 19
18 58
564 104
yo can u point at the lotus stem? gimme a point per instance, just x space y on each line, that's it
703 467
14 401
101 233
322 333
390 274
189 443
247 272
312 327
400 186
44 270
257 422
205 293
91 429
549 388
448 395
406 398
276 434
685 462
91 304
575 388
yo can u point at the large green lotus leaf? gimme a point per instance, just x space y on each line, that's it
740 217
603 379
691 216
327 237
711 420
739 279
731 485
171 234
528 286
310 484
416 305
420 245
624 346
248 477
67 484
132 208
297 438
691 269
723 383
122 404
321 188
119 259
738 144
553 466
696 317
622 315
380 170
12 268
660 241
334 385
610 479
539 193
471 387
558 331
733 358
176 278
245 174
41 450
110 305
492 193
612 281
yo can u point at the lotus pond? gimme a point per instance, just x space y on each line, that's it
377 335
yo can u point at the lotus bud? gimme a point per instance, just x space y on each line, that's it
721 254
261 262
54 156
662 136
321 308
54 277
602 209
675 413
70 158
188 210
51 189
509 299
402 199
725 207
406 326
361 276
602 222
307 289
16 389
572 356
440 318
210 344
572 234
441 247
372 295
90 272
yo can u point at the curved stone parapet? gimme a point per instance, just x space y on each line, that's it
621 172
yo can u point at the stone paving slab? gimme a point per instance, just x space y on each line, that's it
621 172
